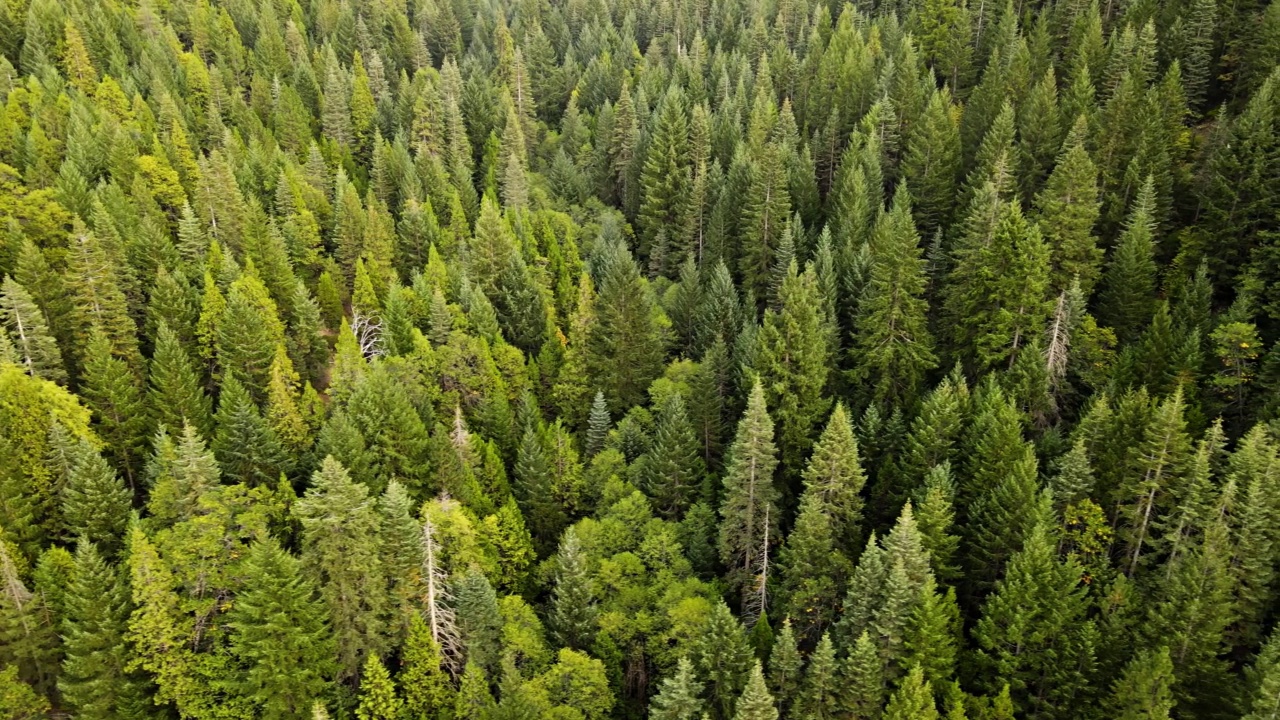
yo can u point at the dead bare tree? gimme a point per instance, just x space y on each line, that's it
436 600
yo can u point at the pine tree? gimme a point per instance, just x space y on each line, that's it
378 700
1029 634
677 698
95 502
573 614
747 509
820 695
175 395
37 350
1128 291
112 392
756 703
722 658
892 347
1067 210
785 668
913 700
932 162
246 446
766 208
279 631
665 178
339 549
95 612
1142 692
427 690
673 467
793 361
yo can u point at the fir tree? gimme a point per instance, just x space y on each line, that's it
111 390
36 349
95 501
573 614
339 549
677 698
378 699
428 692
913 700
175 395
1142 692
673 467
95 679
785 667
756 703
246 446
747 510
722 658
279 631
793 361
1128 291
820 695
892 347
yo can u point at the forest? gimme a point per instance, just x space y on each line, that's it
625 359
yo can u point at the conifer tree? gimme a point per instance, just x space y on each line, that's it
999 293
95 501
665 178
180 475
913 700
245 445
36 349
573 613
1067 210
474 699
1142 692
834 473
1029 634
722 658
892 347
756 703
597 426
864 683
95 680
766 208
793 360
428 693
626 344
820 695
110 388
339 549
1128 291
677 698
747 511
673 467
812 569
378 699
279 631
785 667
176 395
932 162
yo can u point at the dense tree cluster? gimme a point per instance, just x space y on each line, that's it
587 359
